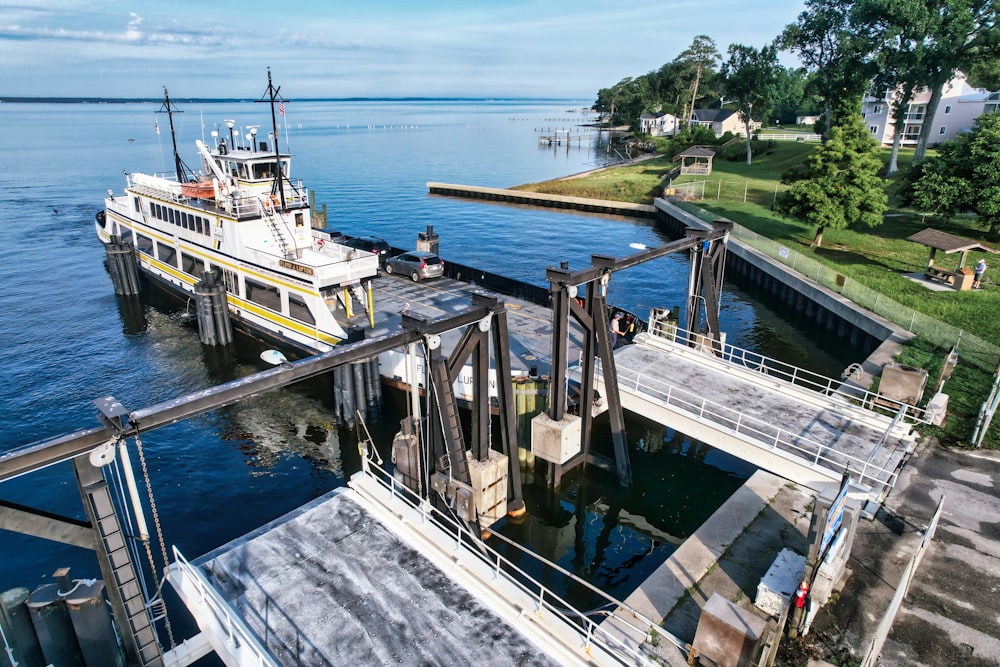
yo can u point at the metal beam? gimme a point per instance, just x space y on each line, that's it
39 455
48 526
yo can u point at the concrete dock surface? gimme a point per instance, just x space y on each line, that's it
951 615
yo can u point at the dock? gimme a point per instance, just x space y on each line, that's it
603 206
360 576
810 435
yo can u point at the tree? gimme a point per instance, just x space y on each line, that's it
964 176
751 78
701 56
963 36
829 45
897 29
790 96
840 187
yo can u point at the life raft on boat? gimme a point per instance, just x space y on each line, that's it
198 190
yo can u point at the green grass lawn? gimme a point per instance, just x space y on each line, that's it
877 258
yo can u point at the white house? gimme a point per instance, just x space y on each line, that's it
960 105
721 121
656 124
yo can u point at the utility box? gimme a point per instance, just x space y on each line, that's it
963 279
728 635
779 583
462 499
902 383
489 487
555 441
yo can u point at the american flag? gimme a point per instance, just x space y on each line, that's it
281 108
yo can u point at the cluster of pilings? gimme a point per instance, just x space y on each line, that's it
123 266
212 308
357 387
63 623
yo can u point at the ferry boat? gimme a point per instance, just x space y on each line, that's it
243 217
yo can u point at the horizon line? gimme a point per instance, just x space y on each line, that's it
188 100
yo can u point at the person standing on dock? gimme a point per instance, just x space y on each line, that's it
616 329
977 273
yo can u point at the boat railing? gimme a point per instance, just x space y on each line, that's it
664 328
505 569
766 433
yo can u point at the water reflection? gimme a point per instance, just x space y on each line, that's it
614 537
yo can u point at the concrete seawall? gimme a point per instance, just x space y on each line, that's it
548 201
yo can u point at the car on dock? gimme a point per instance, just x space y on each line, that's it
417 264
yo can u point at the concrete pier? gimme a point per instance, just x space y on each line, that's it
549 201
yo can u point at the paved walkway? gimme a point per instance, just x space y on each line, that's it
951 615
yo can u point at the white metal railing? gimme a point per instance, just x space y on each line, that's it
791 136
766 434
874 654
512 574
779 370
238 634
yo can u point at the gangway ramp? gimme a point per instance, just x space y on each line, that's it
809 437
372 575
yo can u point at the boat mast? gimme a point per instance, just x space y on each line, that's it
170 111
271 95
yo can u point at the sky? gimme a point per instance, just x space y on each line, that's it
364 48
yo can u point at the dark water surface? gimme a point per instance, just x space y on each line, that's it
68 340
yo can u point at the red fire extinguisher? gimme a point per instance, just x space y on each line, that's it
800 595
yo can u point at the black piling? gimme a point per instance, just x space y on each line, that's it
123 266
214 326
17 628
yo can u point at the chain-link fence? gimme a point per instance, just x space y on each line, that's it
973 349
729 190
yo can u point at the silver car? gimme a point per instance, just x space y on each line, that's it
417 264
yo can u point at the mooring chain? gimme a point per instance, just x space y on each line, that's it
159 536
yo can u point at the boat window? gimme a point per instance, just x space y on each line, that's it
231 282
166 254
135 204
144 244
284 168
192 265
266 295
125 234
170 216
299 219
298 309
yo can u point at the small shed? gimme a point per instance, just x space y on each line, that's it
949 244
700 160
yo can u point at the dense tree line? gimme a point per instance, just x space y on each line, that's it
697 79
849 48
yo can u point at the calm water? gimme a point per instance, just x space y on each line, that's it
68 340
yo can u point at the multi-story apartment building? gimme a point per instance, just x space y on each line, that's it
960 105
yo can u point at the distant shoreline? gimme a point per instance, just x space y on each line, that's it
236 100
